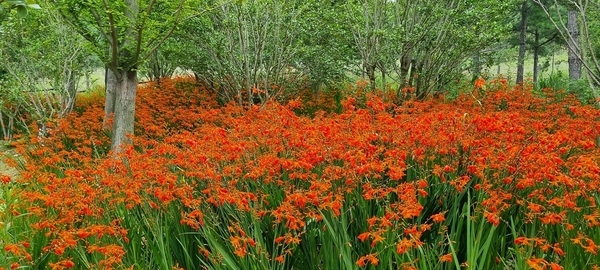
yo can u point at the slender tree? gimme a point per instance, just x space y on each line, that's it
42 55
543 33
573 49
580 44
244 50
123 33
369 35
424 43
522 42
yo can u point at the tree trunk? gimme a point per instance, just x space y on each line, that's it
574 61
126 80
536 57
87 81
124 110
371 74
5 130
476 65
110 86
383 81
522 43
70 88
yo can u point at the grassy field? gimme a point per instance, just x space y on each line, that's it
555 63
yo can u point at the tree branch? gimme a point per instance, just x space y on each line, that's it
113 36
164 38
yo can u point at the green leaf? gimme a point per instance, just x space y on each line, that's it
34 6
21 11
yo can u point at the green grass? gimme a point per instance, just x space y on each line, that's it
509 68
96 79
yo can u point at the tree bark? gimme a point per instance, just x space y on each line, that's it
110 86
124 110
522 43
371 75
476 65
573 41
87 81
536 57
383 80
68 101
126 80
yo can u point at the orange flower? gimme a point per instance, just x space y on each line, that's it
591 247
403 246
446 258
537 263
280 259
521 240
492 218
479 83
438 218
364 236
558 250
555 266
362 261
4 179
279 239
370 258
551 218
377 238
62 264
373 259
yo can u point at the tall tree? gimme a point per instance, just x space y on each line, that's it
123 33
426 43
326 51
522 41
42 55
369 32
532 32
582 47
573 45
245 50
20 6
543 33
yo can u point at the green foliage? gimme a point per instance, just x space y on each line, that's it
158 66
594 29
244 50
325 45
20 6
559 82
587 16
42 65
537 21
123 33
424 43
